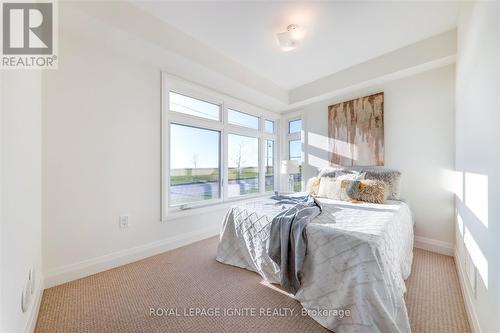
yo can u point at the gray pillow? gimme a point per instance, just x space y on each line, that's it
336 172
391 178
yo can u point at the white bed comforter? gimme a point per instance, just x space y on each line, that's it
358 256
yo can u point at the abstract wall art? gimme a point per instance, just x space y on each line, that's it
356 131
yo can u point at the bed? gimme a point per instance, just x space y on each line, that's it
358 256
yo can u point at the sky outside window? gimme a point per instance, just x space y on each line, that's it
295 150
194 107
295 126
242 119
192 147
269 126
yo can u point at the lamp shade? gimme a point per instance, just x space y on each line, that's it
290 167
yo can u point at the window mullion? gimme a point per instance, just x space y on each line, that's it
262 149
224 154
194 121
262 174
276 163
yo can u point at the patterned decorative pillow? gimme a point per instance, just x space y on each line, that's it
330 188
391 178
368 190
336 188
312 187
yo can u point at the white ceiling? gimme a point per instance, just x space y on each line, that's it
340 34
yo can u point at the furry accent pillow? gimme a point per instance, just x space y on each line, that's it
312 187
391 178
336 188
368 190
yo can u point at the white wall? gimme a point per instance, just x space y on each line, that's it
419 141
101 158
21 196
478 160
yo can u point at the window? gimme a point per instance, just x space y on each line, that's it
269 165
294 142
194 164
295 150
212 153
243 165
269 126
193 106
295 126
242 119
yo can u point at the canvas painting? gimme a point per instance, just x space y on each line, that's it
356 131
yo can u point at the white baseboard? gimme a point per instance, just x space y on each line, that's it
434 245
467 295
88 267
35 307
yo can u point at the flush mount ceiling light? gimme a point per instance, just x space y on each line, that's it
289 39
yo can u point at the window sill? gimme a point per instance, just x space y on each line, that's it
175 214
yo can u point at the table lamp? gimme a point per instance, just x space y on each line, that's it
290 168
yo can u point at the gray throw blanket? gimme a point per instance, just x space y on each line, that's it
288 242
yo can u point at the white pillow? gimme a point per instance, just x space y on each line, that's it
312 186
336 188
329 188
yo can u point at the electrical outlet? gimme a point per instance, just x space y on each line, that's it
124 221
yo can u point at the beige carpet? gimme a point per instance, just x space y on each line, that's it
434 299
119 300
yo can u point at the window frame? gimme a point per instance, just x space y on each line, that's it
290 150
259 123
259 162
204 202
274 126
180 86
203 99
276 171
291 121
287 137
